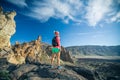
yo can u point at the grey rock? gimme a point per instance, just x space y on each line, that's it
3 64
65 55
22 70
89 74
5 51
63 74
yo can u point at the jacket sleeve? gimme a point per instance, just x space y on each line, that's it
58 41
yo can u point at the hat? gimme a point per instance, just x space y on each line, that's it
56 32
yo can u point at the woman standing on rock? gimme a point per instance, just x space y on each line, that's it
56 49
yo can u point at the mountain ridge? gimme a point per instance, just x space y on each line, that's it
95 50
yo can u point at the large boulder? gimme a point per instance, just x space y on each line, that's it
89 74
22 70
65 55
7 27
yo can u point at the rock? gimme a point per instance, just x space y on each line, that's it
30 52
46 73
38 78
103 71
112 78
63 74
84 72
109 71
12 67
5 52
11 59
22 70
34 78
3 63
31 56
65 55
7 27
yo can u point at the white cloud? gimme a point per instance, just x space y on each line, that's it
19 3
96 10
43 13
114 15
64 10
116 18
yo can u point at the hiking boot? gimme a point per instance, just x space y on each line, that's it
51 66
59 67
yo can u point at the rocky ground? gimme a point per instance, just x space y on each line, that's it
81 70
36 72
103 69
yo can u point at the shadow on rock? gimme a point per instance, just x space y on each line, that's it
90 75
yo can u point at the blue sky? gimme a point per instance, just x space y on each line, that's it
80 22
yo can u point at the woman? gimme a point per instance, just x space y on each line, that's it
56 49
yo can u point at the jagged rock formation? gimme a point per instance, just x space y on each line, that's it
7 27
27 52
65 55
32 52
30 61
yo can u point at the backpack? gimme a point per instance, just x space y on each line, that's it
54 42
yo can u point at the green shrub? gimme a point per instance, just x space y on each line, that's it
4 75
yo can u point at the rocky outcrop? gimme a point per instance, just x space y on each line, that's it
5 52
30 52
7 27
65 55
22 70
84 72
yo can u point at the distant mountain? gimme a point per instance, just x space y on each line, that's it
95 50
